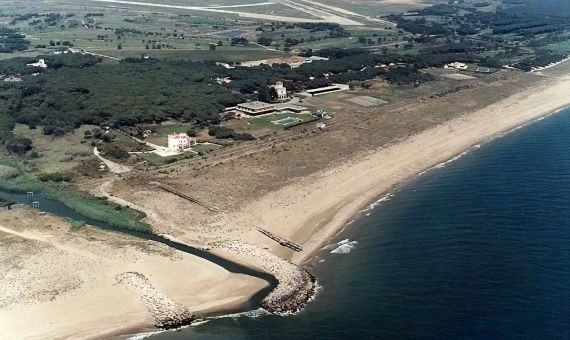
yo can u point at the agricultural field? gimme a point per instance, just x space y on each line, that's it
190 30
379 7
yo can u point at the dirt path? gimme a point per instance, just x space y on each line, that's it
113 167
103 190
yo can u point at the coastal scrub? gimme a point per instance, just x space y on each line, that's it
89 206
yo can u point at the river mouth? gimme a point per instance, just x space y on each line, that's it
44 204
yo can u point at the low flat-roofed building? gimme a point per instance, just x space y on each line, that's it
255 108
290 107
324 90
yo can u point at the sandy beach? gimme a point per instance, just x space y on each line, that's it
63 284
318 207
93 284
268 191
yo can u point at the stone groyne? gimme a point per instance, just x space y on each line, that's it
294 298
296 285
166 313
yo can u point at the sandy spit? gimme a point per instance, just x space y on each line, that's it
63 284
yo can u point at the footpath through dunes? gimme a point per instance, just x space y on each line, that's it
85 283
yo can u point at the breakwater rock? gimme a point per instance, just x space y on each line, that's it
294 299
296 285
166 313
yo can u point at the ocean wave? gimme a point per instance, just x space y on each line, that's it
142 336
443 164
368 210
249 314
344 247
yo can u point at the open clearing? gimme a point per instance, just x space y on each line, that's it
367 101
458 76
320 15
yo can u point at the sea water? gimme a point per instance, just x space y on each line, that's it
477 248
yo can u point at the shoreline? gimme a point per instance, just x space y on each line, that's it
372 192
365 183
369 207
337 228
316 208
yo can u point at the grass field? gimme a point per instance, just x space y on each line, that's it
205 148
169 33
227 55
262 125
561 47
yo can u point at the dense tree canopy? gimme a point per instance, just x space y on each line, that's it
10 41
77 90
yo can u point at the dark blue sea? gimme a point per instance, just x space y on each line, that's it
478 248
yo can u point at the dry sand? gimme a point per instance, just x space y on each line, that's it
58 283
66 282
317 207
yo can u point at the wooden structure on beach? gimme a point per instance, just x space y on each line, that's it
281 241
186 197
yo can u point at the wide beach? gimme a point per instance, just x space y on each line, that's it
307 209
318 207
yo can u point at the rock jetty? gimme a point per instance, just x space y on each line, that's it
296 285
166 313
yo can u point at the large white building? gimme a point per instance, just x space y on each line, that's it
457 65
180 141
281 90
41 63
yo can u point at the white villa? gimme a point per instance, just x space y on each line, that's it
457 65
281 90
180 141
41 63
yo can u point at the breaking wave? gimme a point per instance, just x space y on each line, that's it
344 247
